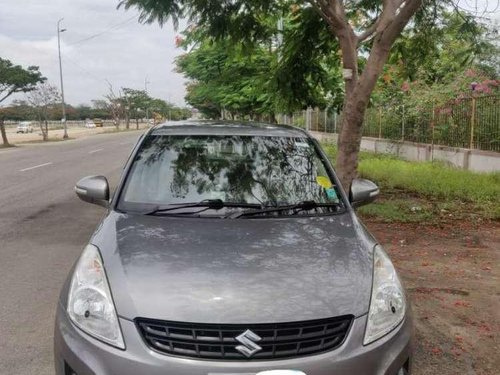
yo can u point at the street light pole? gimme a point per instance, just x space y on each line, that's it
146 82
59 31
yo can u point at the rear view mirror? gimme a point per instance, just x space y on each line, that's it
363 192
93 189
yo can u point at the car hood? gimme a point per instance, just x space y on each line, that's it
236 271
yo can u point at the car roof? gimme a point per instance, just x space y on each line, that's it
213 127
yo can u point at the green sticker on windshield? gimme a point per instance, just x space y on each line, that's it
332 194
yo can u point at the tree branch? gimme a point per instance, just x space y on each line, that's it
405 11
321 12
370 31
334 16
8 94
392 22
389 11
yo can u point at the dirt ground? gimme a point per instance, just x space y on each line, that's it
73 132
452 275
16 138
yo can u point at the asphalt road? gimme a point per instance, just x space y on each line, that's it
43 229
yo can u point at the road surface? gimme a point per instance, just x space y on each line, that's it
43 229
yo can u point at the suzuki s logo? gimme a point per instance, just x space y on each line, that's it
249 347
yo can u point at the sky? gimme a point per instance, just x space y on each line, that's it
124 52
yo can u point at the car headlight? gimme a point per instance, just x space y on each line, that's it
388 302
90 305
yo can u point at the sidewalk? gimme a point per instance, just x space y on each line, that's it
56 135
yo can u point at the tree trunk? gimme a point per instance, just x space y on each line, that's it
127 121
4 134
349 141
355 105
42 129
387 27
137 124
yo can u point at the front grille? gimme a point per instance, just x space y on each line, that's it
218 341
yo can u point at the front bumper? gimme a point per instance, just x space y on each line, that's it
87 356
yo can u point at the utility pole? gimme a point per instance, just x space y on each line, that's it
146 82
59 31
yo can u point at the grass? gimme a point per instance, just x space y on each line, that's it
433 179
51 139
398 210
426 192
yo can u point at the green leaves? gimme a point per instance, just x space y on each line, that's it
136 100
139 104
237 19
156 10
308 72
225 77
290 70
14 78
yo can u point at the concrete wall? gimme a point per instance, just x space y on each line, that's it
473 160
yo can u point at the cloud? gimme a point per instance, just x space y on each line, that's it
125 54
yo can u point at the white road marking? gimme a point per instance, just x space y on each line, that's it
36 166
94 151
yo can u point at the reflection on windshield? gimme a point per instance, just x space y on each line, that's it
263 170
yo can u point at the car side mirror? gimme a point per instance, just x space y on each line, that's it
363 192
93 189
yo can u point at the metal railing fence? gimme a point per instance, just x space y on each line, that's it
472 123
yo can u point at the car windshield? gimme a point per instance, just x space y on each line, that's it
263 170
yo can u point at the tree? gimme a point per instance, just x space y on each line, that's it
227 82
160 110
43 98
440 54
19 110
234 81
364 31
437 65
137 104
308 72
14 79
114 103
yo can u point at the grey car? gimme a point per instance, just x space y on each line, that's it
231 249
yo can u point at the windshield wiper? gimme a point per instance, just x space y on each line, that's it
297 207
209 204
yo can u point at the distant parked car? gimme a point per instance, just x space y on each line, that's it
89 124
98 122
25 127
